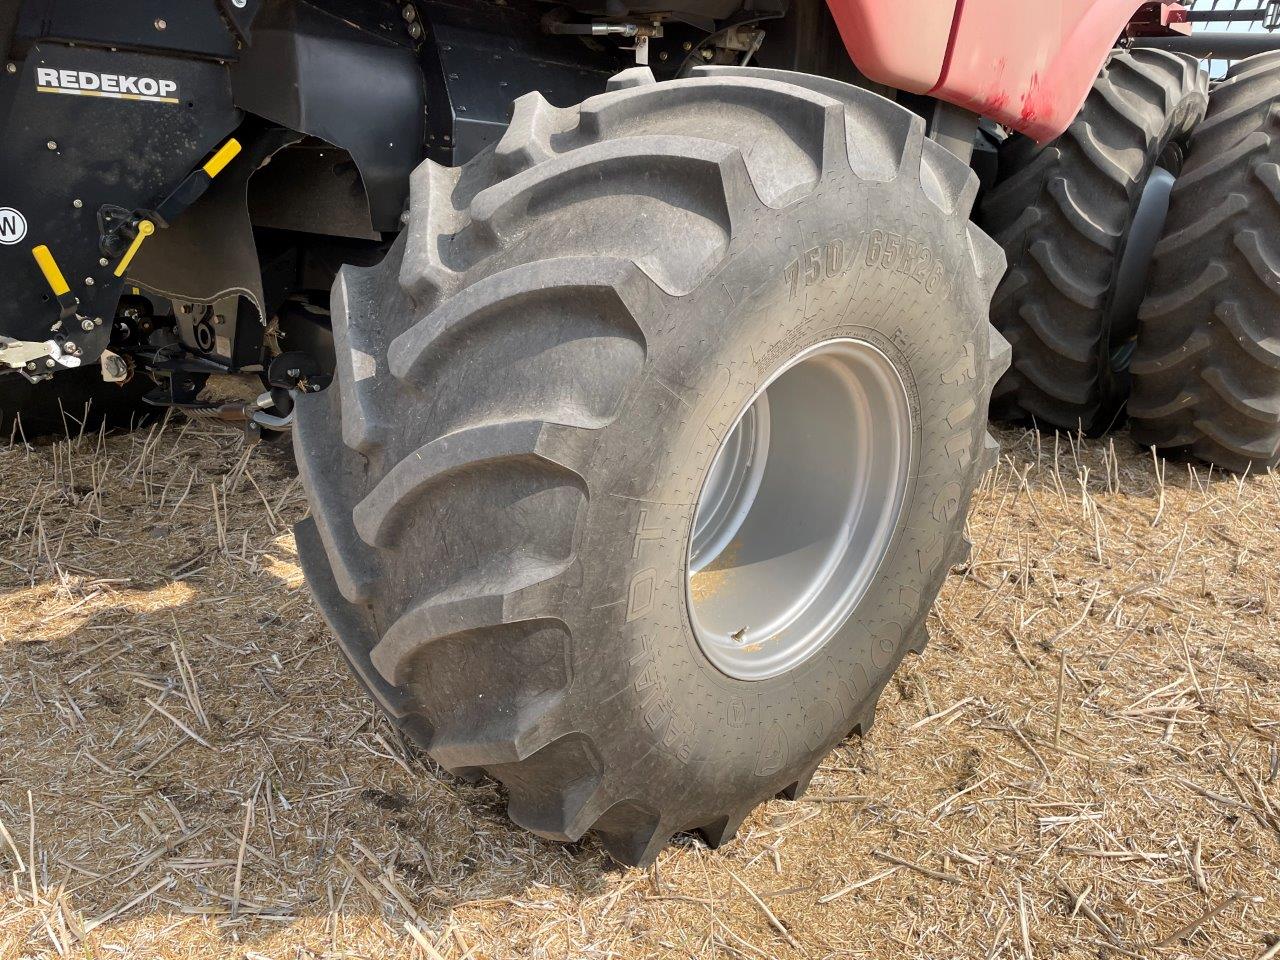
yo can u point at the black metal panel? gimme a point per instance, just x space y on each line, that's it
702 11
1216 46
801 35
239 15
8 24
181 26
65 156
1227 16
350 84
479 57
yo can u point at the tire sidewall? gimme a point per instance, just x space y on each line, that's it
892 270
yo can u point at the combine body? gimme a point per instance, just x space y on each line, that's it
1025 65
384 84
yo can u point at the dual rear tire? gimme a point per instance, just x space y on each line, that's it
1207 371
1181 335
1078 219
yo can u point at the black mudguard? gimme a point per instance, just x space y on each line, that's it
352 82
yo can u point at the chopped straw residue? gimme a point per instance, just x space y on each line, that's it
1083 764
714 577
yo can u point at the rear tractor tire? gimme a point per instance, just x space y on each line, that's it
1078 220
651 443
1206 374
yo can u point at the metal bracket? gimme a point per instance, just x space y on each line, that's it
1218 45
34 357
954 128
115 368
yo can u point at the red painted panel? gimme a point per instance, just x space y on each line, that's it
1030 65
1025 63
901 43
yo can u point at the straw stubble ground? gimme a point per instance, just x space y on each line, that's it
1084 763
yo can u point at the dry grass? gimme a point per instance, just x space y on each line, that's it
1085 763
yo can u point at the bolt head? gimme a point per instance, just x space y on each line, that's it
31 365
49 362
10 68
70 347
162 24
239 4
52 145
86 324
102 261
88 281
415 30
78 204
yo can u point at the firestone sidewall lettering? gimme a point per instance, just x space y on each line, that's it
115 86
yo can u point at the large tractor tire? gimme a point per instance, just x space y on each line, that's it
1206 374
1078 220
70 403
651 443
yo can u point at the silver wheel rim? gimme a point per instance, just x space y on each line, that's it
798 509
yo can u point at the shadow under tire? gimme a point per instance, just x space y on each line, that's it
1206 373
530 394
72 402
1065 214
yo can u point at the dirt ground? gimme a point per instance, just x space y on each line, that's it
1085 763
